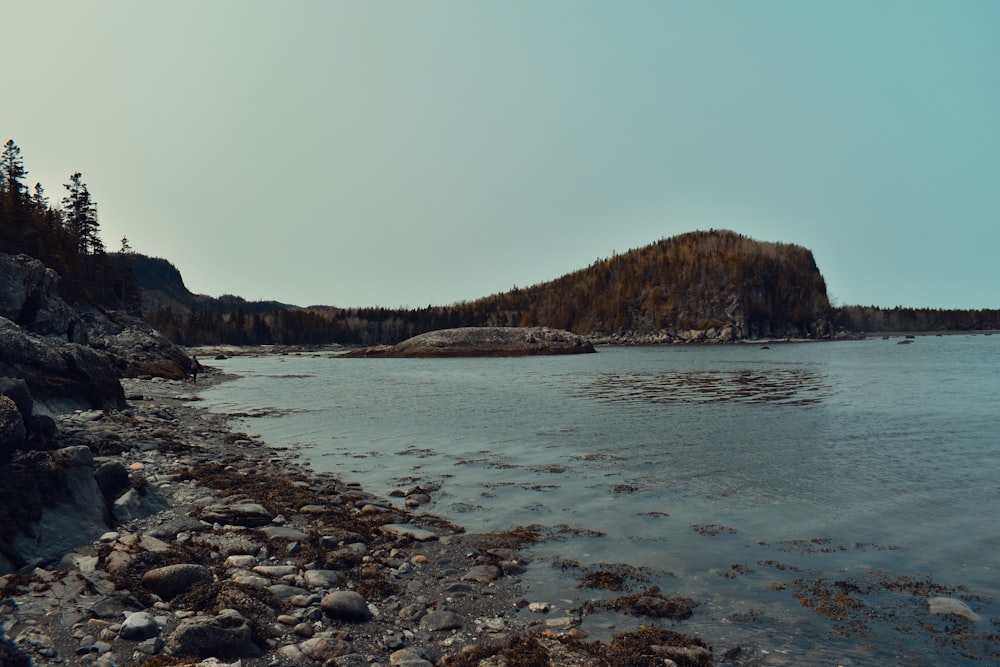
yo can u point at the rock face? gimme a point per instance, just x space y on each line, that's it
139 350
29 297
72 359
484 342
63 376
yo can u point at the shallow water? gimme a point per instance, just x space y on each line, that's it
739 476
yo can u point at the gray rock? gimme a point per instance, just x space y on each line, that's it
112 478
346 606
484 574
250 515
324 648
408 530
74 516
138 504
406 657
139 626
226 636
172 580
60 375
322 578
12 431
942 605
483 342
439 620
283 532
29 295
286 592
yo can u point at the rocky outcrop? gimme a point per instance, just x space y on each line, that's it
483 342
139 350
29 297
62 376
72 359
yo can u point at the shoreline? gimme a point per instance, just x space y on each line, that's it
229 538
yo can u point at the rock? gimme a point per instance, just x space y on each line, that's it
483 342
17 391
139 349
484 574
282 532
942 605
406 657
250 515
346 606
29 296
322 578
138 504
324 648
139 626
73 512
112 478
12 431
61 376
407 530
172 580
439 620
226 636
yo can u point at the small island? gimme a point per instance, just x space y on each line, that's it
483 342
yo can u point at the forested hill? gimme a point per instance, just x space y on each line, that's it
163 287
714 285
714 281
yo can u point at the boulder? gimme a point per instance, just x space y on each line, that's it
139 626
172 580
112 478
483 342
346 606
227 636
60 490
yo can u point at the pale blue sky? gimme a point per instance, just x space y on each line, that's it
414 153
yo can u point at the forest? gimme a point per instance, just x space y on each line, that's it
699 281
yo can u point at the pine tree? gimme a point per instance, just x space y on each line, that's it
81 216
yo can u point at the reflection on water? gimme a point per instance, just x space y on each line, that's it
794 385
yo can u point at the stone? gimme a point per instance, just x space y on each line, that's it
408 530
440 620
250 515
484 574
324 648
226 636
322 578
12 431
172 580
112 478
138 504
406 657
942 605
283 532
139 626
286 592
346 606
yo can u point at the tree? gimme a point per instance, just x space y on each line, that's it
12 171
81 216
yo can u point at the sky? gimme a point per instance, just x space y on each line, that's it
393 153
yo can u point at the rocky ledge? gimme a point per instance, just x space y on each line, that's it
153 535
483 342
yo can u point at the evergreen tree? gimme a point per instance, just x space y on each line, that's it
12 172
81 216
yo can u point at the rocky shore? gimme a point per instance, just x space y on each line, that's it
165 538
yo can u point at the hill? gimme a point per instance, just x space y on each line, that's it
714 285
696 285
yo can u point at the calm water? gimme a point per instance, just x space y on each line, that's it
743 477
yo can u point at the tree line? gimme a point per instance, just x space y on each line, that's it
66 238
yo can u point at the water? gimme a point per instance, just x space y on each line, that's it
753 480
